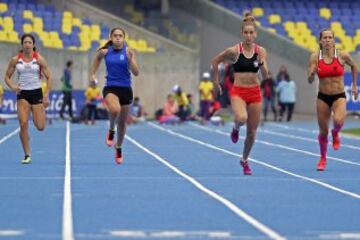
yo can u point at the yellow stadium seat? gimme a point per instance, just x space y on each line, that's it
257 23
132 43
271 30
95 36
85 29
28 14
301 25
72 48
274 18
325 13
289 26
66 28
13 37
67 14
76 22
3 7
27 28
95 28
257 12
3 36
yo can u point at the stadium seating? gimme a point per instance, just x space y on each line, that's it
301 21
55 29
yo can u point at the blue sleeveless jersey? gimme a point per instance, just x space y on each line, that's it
117 68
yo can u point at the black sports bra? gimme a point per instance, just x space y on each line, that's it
244 64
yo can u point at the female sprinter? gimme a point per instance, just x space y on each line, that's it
120 62
328 63
29 65
247 58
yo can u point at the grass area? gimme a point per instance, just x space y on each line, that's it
354 131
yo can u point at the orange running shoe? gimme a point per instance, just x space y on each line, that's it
336 140
110 138
118 155
321 164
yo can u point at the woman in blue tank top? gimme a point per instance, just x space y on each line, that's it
120 62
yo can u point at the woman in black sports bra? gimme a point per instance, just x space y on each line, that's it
247 59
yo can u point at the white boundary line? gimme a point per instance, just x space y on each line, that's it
344 135
304 138
255 223
9 135
279 146
67 221
326 185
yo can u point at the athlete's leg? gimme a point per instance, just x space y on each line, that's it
339 109
114 108
254 112
323 116
23 111
39 116
238 106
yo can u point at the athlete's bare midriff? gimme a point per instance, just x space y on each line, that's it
246 79
331 85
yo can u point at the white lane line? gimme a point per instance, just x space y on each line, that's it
280 146
171 234
10 233
326 185
287 135
308 130
9 135
251 220
67 221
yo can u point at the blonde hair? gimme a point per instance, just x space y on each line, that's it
248 20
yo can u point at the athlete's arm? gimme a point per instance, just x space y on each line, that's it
8 75
46 70
263 63
354 72
96 63
228 55
133 63
312 67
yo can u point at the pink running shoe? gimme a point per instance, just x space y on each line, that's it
110 138
118 156
321 165
246 168
234 135
336 140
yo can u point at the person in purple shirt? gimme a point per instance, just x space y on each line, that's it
120 62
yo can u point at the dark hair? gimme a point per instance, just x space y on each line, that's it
109 42
69 63
136 99
30 36
248 20
321 34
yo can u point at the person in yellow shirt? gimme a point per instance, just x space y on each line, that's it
92 95
182 102
2 121
206 88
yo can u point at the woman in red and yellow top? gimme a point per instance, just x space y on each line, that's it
328 64
247 59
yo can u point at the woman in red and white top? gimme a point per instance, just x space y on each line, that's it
328 64
247 58
29 65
